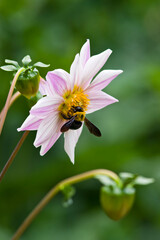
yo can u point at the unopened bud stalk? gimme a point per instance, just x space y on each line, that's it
9 98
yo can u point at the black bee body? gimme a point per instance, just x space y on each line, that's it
77 109
74 124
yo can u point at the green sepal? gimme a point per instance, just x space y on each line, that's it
106 180
134 179
68 202
68 192
40 64
139 180
12 62
26 60
8 68
126 175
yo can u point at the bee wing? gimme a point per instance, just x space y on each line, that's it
92 128
68 124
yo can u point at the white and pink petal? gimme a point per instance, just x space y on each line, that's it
55 134
103 79
75 72
46 129
49 143
57 81
44 88
99 100
85 53
92 67
31 123
46 106
70 140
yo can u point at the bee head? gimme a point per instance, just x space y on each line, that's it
77 109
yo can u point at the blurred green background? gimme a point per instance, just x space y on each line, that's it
53 32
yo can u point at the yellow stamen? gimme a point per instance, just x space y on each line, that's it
72 99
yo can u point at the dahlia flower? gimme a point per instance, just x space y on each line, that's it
67 98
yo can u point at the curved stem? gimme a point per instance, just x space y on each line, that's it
5 110
55 190
14 153
13 98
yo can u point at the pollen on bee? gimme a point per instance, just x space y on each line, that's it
73 99
80 116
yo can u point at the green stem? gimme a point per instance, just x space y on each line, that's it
14 153
56 189
6 107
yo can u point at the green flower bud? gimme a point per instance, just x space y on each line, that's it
116 202
28 83
117 196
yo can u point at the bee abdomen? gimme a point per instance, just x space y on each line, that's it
75 125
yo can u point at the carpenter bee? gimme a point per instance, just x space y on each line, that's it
74 124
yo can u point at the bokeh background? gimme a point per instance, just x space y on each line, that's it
53 31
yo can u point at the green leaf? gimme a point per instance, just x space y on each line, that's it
105 180
143 181
8 68
12 62
26 60
40 64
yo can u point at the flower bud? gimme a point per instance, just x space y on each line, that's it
68 192
28 82
116 202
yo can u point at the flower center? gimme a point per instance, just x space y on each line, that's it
75 103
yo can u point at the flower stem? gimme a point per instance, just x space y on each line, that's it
56 189
13 98
14 153
5 110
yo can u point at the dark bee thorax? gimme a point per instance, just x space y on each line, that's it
75 116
